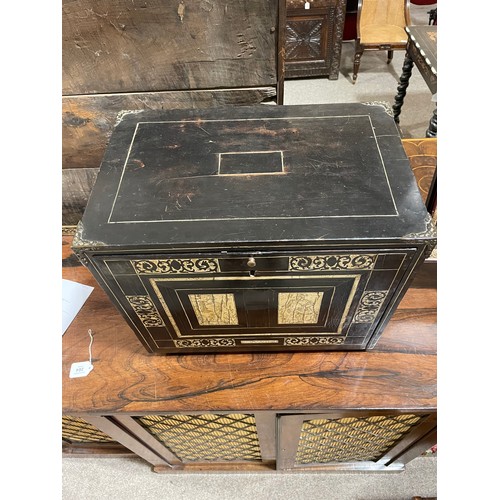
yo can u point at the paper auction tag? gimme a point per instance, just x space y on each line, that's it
81 369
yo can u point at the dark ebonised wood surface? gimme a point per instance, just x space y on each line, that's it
259 174
256 228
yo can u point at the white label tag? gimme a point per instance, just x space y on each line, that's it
307 5
81 369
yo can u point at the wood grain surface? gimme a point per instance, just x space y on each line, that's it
154 45
399 373
422 154
88 120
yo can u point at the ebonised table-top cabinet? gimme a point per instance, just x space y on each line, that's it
271 228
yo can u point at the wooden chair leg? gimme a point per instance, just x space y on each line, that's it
390 54
357 60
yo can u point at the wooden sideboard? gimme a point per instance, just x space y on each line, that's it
249 411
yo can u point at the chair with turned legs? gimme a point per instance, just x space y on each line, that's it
381 26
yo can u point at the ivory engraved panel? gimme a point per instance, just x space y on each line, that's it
299 308
214 308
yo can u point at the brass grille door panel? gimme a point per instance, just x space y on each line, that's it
351 438
78 430
359 440
206 438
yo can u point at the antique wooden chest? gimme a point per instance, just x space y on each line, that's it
260 228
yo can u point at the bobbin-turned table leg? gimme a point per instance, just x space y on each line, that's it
432 130
404 81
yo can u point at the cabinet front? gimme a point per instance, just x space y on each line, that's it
313 37
265 301
307 37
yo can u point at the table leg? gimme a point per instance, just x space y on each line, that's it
433 126
404 81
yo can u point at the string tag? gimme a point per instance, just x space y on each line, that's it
307 6
83 368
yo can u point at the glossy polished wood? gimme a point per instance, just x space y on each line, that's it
399 373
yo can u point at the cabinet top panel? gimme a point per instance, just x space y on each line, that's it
256 174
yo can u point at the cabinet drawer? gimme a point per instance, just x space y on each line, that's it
226 301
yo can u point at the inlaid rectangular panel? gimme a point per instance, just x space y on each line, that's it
256 306
299 308
215 309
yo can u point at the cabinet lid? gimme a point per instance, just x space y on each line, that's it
257 174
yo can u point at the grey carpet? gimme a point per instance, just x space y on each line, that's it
132 478
377 81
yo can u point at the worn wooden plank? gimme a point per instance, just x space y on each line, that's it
137 45
88 120
399 373
77 184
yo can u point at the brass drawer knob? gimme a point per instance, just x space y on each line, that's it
251 262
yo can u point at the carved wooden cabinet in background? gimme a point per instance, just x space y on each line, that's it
313 37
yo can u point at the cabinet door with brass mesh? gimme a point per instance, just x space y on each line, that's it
78 431
100 435
374 440
206 438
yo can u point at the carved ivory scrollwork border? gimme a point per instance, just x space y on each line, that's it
369 306
383 104
145 309
175 266
331 262
429 233
201 343
313 341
